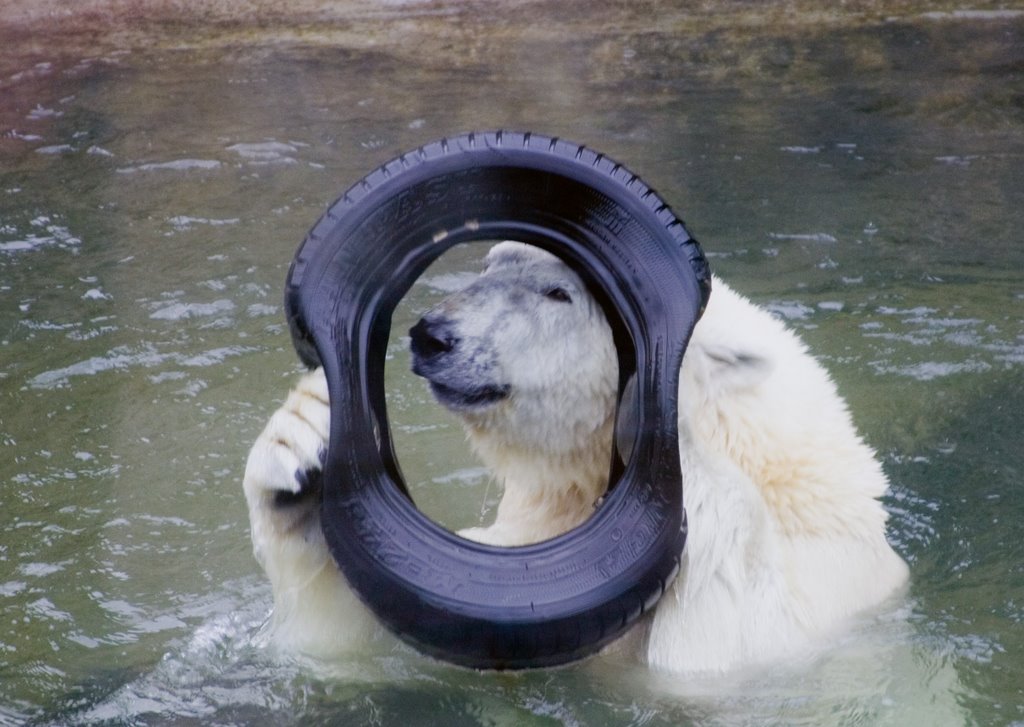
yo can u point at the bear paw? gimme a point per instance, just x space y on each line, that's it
284 471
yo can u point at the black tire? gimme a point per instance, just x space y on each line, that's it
474 604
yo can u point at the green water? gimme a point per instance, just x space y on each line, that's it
861 178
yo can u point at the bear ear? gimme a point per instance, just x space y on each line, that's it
734 368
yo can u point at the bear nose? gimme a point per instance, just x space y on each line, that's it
432 337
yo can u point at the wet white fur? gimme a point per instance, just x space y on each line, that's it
787 537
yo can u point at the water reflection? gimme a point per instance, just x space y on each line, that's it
859 178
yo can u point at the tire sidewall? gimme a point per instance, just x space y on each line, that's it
466 602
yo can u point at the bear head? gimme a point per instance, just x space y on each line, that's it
523 355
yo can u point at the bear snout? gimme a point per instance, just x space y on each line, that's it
431 338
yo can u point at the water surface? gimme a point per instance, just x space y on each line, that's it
860 176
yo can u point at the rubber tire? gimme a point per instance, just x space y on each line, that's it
465 602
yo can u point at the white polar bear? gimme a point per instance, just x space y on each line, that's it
786 534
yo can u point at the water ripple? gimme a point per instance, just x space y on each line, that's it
127 357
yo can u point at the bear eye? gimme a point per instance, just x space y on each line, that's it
559 294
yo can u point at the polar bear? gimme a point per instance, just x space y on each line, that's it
786 532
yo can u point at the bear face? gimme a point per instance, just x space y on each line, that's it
523 354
